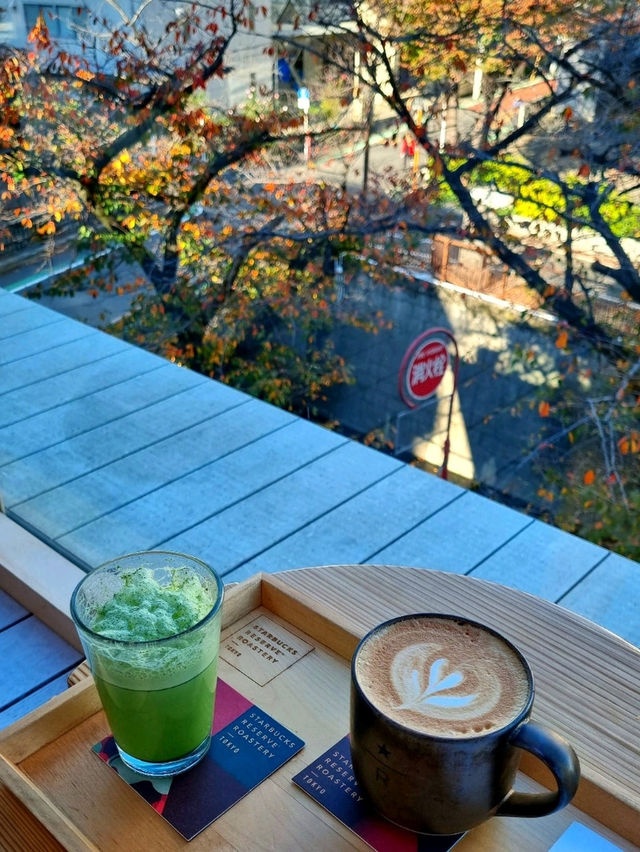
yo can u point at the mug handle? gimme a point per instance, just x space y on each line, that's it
559 757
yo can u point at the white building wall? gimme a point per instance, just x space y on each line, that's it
250 64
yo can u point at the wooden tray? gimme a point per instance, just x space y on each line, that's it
45 758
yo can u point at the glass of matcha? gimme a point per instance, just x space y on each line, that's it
149 624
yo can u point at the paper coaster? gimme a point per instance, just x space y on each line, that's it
262 649
247 746
330 781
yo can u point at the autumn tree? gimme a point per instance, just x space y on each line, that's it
125 142
573 158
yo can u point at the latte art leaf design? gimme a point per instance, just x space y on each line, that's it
408 681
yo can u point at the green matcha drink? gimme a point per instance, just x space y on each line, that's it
150 626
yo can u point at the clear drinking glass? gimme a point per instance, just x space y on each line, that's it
149 624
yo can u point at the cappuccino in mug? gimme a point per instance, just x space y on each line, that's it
440 713
444 677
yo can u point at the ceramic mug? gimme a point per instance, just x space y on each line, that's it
440 711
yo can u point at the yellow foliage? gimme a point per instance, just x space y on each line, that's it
180 150
192 228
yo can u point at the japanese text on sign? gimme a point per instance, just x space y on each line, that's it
426 369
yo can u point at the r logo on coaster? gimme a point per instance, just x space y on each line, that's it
262 649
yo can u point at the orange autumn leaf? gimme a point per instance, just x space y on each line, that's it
589 477
543 409
562 339
623 446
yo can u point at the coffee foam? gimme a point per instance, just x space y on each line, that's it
442 676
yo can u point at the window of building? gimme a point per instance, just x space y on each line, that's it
63 22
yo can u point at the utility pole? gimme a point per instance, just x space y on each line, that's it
367 141
416 153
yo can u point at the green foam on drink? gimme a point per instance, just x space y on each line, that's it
144 609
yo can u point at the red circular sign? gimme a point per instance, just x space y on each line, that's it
422 371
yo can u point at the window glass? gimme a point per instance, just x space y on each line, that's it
32 13
65 22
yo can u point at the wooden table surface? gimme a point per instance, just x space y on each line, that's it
587 684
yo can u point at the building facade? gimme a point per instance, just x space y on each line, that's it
259 63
